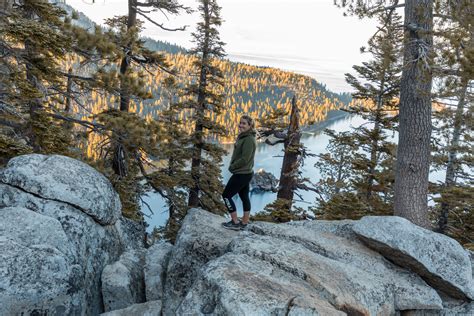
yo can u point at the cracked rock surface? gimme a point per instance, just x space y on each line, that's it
60 226
301 268
440 260
67 180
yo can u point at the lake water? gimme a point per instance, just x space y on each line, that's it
270 159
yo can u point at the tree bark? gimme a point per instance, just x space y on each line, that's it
124 65
413 155
34 104
67 107
289 168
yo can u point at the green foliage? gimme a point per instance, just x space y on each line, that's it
342 205
454 122
32 43
11 146
358 170
174 152
51 135
279 211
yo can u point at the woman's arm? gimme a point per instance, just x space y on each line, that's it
247 150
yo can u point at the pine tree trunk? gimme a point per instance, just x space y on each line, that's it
35 104
374 150
451 166
67 107
289 169
124 89
119 163
195 166
413 155
199 127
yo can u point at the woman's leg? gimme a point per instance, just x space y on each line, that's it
231 189
244 196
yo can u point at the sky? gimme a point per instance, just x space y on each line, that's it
311 37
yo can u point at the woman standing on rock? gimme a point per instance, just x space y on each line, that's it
241 167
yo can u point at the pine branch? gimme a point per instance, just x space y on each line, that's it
160 25
389 8
10 124
96 127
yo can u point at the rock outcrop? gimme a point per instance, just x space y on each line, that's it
60 178
59 257
61 225
263 181
301 268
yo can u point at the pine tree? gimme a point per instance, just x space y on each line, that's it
133 139
291 179
175 153
413 150
335 189
357 172
32 42
374 161
453 123
37 92
206 99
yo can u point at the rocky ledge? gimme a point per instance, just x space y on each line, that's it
58 257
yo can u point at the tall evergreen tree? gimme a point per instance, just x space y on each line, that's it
337 197
379 86
413 151
453 123
133 139
291 179
32 42
205 98
357 172
175 152
35 37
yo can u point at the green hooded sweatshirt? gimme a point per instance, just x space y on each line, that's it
244 153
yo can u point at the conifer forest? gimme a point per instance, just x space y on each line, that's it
153 116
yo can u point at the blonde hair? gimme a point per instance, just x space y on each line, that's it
250 121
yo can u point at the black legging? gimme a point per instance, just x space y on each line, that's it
238 183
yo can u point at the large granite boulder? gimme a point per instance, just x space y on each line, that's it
64 179
237 284
45 266
438 259
56 226
344 256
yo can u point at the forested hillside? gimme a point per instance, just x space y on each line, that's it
247 89
250 89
